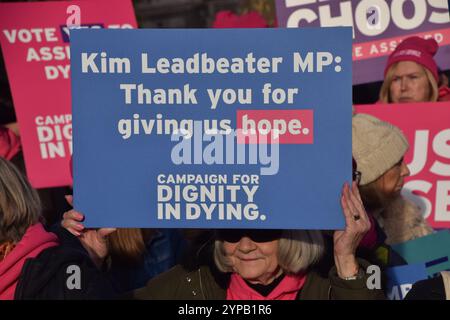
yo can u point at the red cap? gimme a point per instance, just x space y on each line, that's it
418 50
227 19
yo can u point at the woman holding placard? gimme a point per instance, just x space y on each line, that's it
262 264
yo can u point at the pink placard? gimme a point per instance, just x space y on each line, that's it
35 42
427 128
275 126
378 27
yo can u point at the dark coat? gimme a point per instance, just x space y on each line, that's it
48 276
429 289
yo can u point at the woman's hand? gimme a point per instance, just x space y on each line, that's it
347 241
93 240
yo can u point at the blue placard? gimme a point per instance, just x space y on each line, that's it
402 278
433 250
163 119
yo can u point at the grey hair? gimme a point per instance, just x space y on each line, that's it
298 250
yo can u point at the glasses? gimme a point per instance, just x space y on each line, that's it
256 235
357 176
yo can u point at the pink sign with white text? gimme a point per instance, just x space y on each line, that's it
35 41
427 128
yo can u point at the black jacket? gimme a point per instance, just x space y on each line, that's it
429 289
62 272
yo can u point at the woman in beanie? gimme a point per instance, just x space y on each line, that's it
378 149
411 74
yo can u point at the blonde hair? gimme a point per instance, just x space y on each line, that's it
20 206
128 245
385 95
298 250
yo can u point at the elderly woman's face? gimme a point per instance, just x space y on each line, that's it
409 83
254 259
392 181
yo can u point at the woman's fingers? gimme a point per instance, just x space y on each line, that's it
353 202
346 242
345 208
356 199
356 204
73 215
69 199
352 209
104 232
71 222
73 227
355 190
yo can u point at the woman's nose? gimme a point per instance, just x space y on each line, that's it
405 170
246 244
404 83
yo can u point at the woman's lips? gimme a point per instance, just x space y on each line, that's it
248 259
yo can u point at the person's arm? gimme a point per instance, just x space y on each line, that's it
355 289
348 279
357 223
93 240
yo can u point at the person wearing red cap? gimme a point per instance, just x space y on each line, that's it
228 19
411 73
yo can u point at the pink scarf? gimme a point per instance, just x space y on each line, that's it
35 240
370 238
287 289
9 143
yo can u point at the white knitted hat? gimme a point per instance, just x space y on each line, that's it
377 146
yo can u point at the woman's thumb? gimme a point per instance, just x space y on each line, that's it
104 232
69 199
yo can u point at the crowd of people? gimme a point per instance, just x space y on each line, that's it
233 264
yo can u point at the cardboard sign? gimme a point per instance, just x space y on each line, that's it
212 128
378 27
427 128
34 37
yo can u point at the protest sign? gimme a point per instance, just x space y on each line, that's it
432 250
378 27
427 129
212 128
402 278
34 37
